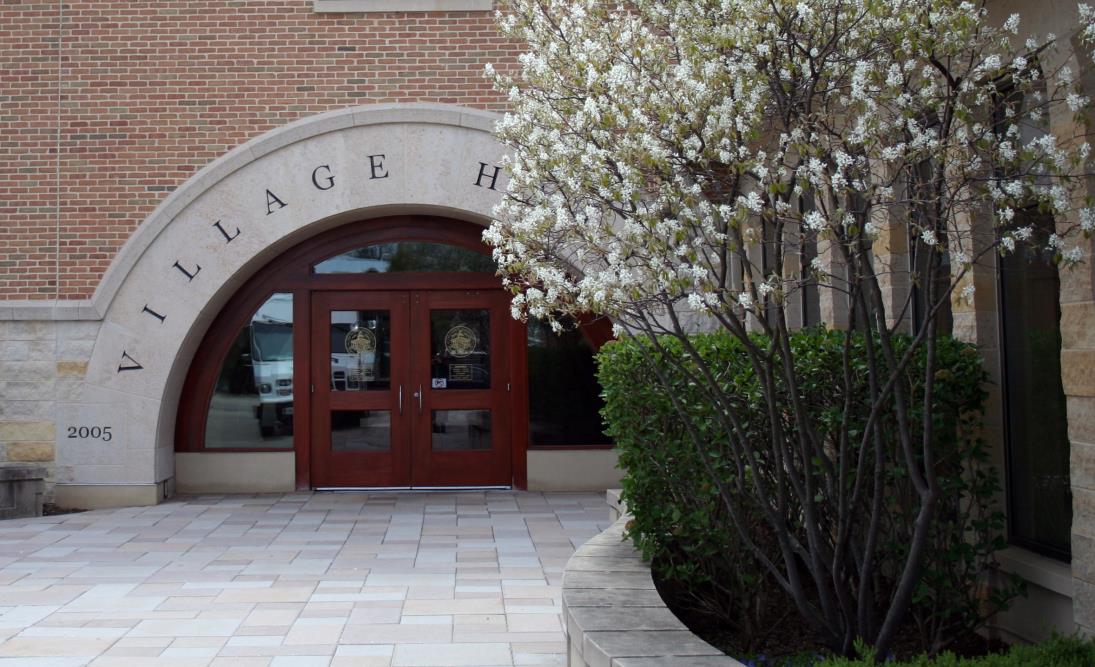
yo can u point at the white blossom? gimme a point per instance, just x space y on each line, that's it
814 221
1087 219
752 201
645 154
968 292
1076 101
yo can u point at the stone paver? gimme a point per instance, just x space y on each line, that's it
330 579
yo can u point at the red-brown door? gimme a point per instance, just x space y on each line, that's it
460 371
360 371
410 389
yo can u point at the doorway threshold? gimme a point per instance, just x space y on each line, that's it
416 489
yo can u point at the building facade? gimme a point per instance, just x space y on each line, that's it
239 252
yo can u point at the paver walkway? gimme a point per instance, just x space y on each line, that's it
400 579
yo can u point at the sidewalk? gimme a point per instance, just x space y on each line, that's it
399 579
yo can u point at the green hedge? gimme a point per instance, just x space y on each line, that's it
681 524
1057 652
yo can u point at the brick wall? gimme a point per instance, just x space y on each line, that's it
152 91
28 139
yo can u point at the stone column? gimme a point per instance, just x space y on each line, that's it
42 361
1078 374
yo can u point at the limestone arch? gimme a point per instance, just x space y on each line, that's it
227 221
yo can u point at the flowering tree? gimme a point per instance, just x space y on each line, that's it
705 163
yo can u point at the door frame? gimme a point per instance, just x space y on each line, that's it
291 272
411 461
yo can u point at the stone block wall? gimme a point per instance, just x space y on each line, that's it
42 363
1078 370
1078 380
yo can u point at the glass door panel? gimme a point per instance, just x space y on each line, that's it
361 430
361 355
460 430
460 349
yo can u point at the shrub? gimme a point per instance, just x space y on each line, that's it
673 491
1057 652
678 521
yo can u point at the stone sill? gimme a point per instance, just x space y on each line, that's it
366 6
615 618
48 310
1050 574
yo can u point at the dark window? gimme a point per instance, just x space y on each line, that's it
1035 417
1035 421
920 256
927 289
406 256
564 395
810 297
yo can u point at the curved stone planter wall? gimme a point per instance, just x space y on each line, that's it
615 618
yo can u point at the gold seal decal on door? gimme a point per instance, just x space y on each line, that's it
461 341
360 340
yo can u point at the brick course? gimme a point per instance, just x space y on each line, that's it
152 91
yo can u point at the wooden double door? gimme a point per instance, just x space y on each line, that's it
410 388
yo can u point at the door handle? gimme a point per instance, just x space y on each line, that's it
400 399
418 395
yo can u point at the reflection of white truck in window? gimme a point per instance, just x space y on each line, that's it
271 339
353 351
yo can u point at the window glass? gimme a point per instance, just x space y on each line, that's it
1039 493
564 395
459 430
921 256
405 256
460 349
252 404
361 350
810 299
361 430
